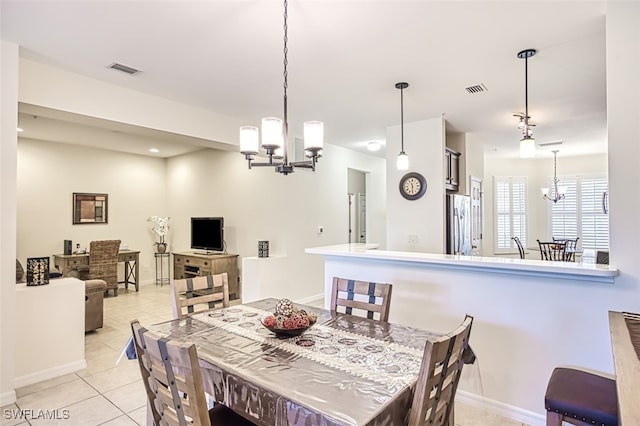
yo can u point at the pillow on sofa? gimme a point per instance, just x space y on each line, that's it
19 272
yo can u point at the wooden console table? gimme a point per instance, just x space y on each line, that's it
191 264
66 262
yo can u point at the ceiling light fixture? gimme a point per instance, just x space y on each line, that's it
557 192
154 150
527 143
19 129
374 146
402 162
275 134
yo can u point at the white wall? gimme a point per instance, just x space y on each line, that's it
260 204
537 171
48 174
8 143
424 142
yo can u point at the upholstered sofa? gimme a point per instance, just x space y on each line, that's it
93 309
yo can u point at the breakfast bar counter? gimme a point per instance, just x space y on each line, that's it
530 316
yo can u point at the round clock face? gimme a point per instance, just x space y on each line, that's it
413 186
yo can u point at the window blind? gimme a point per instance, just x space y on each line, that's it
510 195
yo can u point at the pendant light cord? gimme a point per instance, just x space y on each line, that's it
402 120
285 85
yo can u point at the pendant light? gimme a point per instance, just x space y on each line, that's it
402 162
527 143
557 192
275 132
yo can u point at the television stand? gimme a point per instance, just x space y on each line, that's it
196 264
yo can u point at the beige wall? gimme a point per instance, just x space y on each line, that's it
48 174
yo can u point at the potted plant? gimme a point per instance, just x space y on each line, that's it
161 228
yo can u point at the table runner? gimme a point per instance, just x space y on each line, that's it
387 363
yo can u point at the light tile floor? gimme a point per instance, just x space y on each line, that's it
108 394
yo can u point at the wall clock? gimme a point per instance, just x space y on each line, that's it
413 186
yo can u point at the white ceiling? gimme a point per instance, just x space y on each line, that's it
344 60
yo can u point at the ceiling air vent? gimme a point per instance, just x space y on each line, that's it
123 68
477 88
551 143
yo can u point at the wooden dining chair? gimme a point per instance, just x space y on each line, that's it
519 245
440 372
347 295
191 295
173 381
552 250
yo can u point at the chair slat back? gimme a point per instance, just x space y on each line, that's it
145 366
103 261
554 250
440 372
347 295
520 247
192 295
172 371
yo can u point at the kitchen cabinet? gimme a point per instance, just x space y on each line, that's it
452 159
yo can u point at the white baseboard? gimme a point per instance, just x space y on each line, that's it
50 373
505 410
312 300
7 398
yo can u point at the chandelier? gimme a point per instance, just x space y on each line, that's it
275 132
557 192
402 162
527 143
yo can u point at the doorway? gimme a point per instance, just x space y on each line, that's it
357 206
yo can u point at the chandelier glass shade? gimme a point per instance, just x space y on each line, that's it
557 192
275 134
528 142
402 161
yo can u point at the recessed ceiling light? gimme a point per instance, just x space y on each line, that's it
374 145
20 129
154 150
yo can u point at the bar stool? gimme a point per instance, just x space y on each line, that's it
579 397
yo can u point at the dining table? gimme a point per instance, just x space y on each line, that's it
344 370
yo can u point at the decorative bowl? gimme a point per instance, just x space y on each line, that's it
287 332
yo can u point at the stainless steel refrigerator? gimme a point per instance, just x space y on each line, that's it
458 224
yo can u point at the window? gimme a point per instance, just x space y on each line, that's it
510 194
581 213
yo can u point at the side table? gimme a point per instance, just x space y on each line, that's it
163 268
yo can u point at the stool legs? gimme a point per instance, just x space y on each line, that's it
554 419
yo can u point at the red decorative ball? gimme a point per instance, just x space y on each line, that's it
269 321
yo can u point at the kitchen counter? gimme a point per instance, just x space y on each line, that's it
541 268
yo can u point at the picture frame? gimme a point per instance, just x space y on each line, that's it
37 271
90 208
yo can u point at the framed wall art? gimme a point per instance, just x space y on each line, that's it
90 208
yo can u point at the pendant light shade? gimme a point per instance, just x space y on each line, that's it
527 147
402 162
249 140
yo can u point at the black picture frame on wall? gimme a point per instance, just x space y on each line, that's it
90 208
37 271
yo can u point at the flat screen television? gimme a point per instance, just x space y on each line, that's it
207 233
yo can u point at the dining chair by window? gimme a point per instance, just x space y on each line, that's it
347 295
520 248
552 250
571 246
191 295
438 379
103 263
174 384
